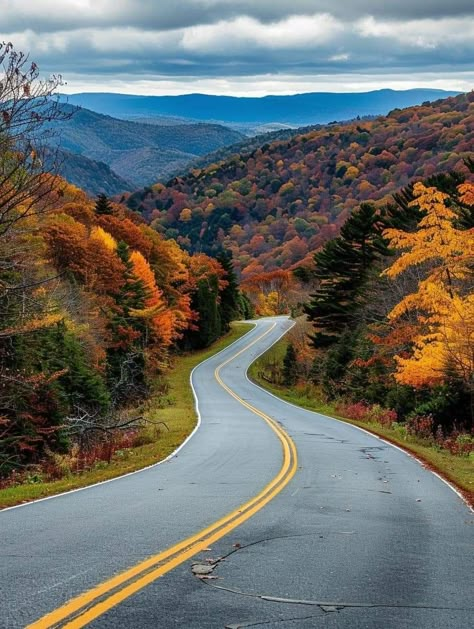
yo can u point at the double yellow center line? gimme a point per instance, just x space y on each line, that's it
85 608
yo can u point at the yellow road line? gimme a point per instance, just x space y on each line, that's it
103 597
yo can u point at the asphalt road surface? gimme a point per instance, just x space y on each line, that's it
352 533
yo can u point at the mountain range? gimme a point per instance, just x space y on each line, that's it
151 138
298 109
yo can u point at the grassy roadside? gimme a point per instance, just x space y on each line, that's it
459 470
179 416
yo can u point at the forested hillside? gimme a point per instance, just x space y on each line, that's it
275 206
136 152
384 330
94 177
93 302
247 145
392 312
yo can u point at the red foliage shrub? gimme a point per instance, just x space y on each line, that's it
459 444
104 450
365 413
357 411
420 426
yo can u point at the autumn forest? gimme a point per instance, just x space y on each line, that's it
362 231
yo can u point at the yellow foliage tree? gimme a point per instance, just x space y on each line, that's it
97 233
185 215
443 303
154 301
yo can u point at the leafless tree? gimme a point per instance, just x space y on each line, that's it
28 110
86 427
29 184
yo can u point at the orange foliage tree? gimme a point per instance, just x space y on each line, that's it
166 322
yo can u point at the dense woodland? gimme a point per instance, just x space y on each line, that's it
274 207
393 309
93 303
386 333
95 300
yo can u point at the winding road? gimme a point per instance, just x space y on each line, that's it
269 516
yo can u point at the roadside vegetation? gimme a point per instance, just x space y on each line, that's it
388 337
94 304
452 457
168 418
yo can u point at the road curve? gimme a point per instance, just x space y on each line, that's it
361 536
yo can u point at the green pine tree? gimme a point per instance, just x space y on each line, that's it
102 205
230 296
290 366
342 270
205 303
246 307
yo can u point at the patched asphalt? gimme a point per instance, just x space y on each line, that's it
363 536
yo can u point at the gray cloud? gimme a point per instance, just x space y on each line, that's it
43 16
223 40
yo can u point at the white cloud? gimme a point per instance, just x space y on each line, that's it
296 33
128 41
76 12
344 56
245 46
271 83
29 41
425 33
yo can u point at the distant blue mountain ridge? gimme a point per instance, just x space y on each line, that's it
298 109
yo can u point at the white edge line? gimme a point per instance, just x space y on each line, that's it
143 469
367 432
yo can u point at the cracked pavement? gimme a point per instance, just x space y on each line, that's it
362 537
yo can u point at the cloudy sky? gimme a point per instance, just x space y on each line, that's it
246 47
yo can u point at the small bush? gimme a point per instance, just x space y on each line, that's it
357 411
148 434
362 412
460 444
33 478
400 429
421 426
379 415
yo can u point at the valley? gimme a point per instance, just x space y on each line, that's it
236 327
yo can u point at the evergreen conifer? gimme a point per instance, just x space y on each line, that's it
290 366
102 205
229 297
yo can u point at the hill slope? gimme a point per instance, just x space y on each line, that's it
137 152
92 176
247 145
274 206
299 109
